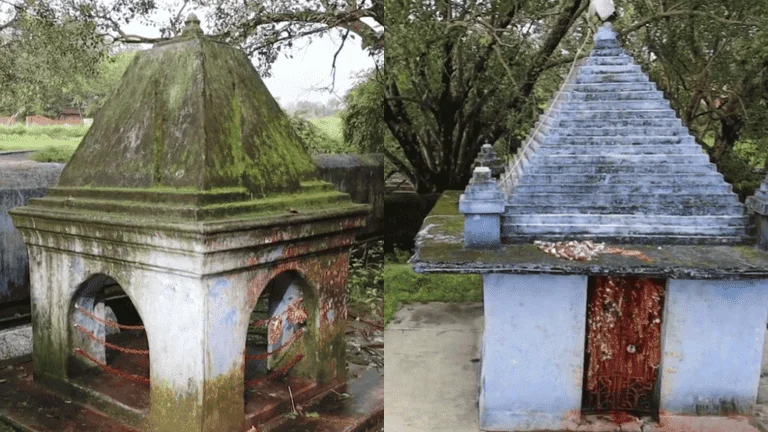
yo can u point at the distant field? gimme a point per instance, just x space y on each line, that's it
57 143
36 142
332 126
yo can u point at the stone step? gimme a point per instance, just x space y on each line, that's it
610 87
607 52
636 169
609 189
613 123
272 399
608 60
635 105
584 226
543 139
595 221
606 43
586 131
590 199
31 407
609 69
597 149
610 78
575 114
652 178
362 411
580 96
671 209
641 238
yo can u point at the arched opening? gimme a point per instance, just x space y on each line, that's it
110 350
285 318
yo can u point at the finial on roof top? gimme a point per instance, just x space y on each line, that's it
192 25
606 37
603 8
605 32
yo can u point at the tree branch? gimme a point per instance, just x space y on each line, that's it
672 13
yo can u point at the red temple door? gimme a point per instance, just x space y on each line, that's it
623 348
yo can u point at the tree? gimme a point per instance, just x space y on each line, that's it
264 29
43 57
459 74
713 73
712 63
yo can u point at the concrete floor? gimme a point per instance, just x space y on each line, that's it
431 369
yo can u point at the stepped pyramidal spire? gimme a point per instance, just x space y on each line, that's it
610 160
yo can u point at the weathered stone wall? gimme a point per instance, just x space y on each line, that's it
19 182
362 177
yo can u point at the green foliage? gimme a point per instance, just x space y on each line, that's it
402 284
332 126
316 140
459 75
363 122
105 83
365 281
54 154
46 64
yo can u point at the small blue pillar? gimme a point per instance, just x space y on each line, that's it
482 204
714 331
533 351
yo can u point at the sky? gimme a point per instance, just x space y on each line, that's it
307 75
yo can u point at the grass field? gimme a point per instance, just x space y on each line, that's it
36 142
403 285
57 143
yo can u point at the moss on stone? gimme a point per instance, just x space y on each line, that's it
224 407
173 411
191 113
447 204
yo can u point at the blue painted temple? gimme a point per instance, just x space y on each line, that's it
621 273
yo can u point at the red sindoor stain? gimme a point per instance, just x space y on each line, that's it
623 347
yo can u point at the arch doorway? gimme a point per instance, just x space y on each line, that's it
285 317
110 350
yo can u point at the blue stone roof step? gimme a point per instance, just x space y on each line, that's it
610 160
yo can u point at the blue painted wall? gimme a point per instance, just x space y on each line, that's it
533 351
712 344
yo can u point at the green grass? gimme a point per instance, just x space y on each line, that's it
331 126
49 149
58 143
402 285
52 143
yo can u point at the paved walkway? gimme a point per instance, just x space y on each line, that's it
431 369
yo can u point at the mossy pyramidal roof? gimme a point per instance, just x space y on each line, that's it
193 133
191 113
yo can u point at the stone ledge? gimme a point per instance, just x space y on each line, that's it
439 249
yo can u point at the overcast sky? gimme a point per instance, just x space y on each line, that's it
307 75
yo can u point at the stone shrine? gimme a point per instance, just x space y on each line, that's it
193 195
620 273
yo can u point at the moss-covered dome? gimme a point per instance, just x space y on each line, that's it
191 113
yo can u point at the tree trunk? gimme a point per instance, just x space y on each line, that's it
725 139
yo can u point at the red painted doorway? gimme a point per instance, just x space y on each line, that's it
623 345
